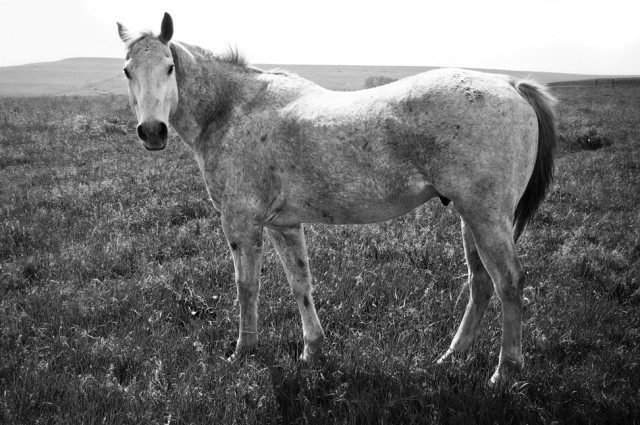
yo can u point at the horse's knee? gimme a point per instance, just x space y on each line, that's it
301 290
248 287
247 293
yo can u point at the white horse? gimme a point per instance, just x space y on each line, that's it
277 151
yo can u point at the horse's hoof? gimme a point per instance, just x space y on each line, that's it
241 354
308 357
312 353
506 371
445 356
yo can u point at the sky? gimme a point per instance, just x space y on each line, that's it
572 36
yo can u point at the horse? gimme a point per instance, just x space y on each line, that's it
277 151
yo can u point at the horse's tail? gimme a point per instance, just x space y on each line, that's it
542 103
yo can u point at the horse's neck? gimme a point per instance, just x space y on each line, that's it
208 91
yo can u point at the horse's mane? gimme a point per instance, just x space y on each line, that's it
231 56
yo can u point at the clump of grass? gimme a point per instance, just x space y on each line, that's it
591 139
190 304
117 125
83 125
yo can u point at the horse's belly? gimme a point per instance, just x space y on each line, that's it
354 206
376 211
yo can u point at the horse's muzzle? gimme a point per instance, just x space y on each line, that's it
154 134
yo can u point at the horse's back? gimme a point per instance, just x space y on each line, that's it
446 88
435 123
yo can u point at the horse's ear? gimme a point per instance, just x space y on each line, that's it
166 30
125 34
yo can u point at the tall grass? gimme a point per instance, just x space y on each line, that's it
118 303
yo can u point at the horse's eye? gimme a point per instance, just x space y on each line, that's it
126 74
171 69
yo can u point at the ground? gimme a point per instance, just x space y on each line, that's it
117 302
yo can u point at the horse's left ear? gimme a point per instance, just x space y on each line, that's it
166 30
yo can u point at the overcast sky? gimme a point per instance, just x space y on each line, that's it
574 36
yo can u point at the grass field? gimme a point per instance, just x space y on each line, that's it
118 302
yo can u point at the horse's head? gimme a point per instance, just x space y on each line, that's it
153 90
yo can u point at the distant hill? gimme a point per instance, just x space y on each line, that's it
602 81
103 76
69 76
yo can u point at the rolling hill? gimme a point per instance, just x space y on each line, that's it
103 76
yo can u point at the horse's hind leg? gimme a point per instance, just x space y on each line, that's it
291 248
480 290
493 234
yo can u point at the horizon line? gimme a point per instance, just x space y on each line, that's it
620 75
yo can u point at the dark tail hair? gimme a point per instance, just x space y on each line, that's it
542 103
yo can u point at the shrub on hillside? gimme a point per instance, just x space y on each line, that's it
377 80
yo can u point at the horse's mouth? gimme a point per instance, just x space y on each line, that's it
155 145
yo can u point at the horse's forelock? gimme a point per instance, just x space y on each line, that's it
131 38
135 38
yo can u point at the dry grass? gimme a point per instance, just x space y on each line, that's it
117 295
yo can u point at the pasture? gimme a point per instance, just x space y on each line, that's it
118 300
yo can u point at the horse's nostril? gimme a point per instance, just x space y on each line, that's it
164 131
142 134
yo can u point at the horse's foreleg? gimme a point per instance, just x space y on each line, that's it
480 290
245 241
291 248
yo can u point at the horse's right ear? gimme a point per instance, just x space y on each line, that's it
125 34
